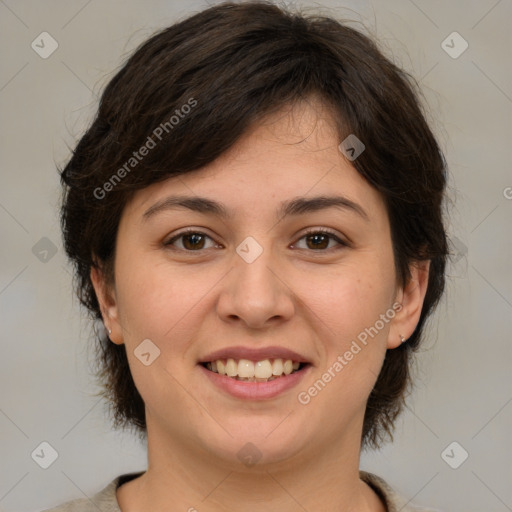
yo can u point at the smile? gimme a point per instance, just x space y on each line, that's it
246 379
246 370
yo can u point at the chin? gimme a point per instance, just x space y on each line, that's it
257 443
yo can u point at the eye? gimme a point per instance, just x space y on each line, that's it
192 240
319 240
316 239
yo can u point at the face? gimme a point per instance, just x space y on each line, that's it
278 251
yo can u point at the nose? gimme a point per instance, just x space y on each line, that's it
256 293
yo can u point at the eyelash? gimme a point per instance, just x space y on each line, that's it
311 231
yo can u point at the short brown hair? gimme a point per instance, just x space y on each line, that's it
239 62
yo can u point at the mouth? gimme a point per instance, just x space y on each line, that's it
255 373
246 370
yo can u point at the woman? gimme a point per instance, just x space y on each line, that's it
255 215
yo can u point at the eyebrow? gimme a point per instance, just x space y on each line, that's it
297 206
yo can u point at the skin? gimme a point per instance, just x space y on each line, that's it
314 301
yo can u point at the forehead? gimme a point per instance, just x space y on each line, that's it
293 152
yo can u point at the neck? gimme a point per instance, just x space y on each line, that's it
191 479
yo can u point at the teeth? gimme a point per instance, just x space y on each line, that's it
245 368
263 369
277 367
231 368
259 371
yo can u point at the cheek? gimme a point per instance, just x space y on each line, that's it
161 302
348 299
348 306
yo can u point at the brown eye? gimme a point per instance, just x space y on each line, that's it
191 241
320 240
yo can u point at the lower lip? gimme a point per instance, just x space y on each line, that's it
255 390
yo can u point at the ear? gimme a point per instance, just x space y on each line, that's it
108 305
411 298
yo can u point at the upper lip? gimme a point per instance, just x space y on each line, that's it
254 354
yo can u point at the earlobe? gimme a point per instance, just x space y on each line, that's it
411 298
108 305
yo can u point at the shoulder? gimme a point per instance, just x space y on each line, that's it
394 501
103 501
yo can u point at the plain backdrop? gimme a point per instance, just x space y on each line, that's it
464 386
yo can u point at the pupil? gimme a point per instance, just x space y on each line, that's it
194 238
316 238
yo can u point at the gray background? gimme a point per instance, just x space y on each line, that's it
464 387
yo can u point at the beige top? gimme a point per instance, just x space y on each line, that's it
105 500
